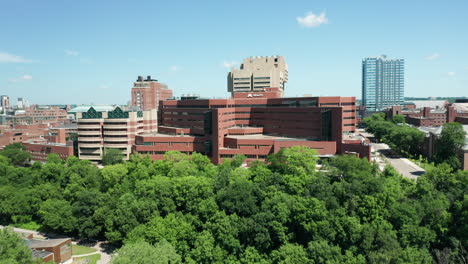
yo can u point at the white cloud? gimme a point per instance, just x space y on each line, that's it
312 20
22 78
228 64
72 53
174 68
433 56
451 73
10 58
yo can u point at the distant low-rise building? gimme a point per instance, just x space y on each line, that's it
40 149
22 133
429 113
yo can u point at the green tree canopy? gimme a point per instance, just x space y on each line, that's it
142 253
112 156
17 154
398 119
451 141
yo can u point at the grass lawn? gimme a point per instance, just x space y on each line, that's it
78 250
92 259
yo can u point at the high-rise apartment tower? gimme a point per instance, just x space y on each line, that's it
259 77
383 82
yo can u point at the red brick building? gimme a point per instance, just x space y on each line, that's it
255 126
36 114
146 93
431 113
426 116
22 133
40 149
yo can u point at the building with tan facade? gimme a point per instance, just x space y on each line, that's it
98 131
258 75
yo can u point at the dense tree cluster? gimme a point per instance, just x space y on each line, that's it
184 209
16 153
400 137
450 143
408 140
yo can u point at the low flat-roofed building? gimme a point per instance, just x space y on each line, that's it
40 149
61 247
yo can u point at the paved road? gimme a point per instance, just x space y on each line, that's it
404 166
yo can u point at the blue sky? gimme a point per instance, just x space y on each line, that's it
91 51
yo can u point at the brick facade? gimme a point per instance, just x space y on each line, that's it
254 127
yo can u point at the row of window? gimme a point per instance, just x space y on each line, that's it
249 156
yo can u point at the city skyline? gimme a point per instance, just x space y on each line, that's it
90 52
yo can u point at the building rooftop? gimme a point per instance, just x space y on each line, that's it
460 107
437 130
156 134
44 142
66 126
98 108
434 104
270 137
41 254
39 243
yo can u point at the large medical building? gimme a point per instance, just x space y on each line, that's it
256 122
254 127
382 82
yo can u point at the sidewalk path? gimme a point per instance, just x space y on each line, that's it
403 165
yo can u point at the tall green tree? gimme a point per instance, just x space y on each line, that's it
451 141
295 160
142 253
398 119
57 215
112 156
405 139
17 154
